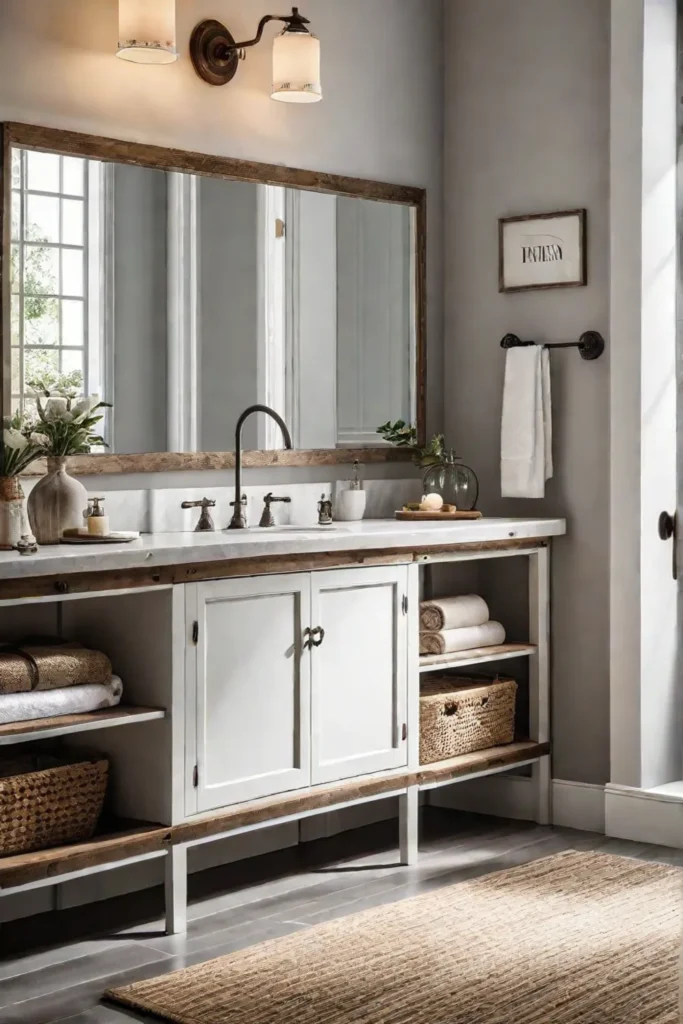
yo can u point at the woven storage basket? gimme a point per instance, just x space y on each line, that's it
459 716
47 800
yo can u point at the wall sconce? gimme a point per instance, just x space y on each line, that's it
147 31
296 56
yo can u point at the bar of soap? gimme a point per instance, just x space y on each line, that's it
432 503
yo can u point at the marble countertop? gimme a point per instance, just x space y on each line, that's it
183 548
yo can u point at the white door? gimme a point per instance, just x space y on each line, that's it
252 688
359 672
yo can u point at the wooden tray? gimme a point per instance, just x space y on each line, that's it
83 537
435 517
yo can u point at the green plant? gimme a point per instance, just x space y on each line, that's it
404 435
67 427
20 445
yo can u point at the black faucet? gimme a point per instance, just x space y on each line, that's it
238 521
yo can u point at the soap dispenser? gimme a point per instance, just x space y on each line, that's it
98 522
351 501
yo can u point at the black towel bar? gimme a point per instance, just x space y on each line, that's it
591 344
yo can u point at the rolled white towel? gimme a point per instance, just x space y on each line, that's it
453 613
449 641
72 700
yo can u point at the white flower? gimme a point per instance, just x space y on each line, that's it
55 408
81 409
14 439
39 439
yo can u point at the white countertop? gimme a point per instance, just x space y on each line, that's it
183 548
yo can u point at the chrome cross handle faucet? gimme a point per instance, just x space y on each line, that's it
239 520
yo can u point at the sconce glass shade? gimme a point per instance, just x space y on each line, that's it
296 68
147 33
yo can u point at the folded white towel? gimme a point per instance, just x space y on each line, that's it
448 641
526 426
453 613
71 700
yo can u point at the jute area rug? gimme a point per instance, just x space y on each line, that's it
578 938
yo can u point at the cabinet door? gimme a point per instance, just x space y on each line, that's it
359 672
252 688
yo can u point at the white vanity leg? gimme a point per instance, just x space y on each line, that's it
539 677
176 890
408 824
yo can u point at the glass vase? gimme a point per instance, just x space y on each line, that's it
455 482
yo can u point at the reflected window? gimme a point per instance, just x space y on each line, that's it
56 272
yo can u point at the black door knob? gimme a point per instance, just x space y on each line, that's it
666 526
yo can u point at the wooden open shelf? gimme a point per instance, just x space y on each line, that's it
481 762
476 656
46 728
119 840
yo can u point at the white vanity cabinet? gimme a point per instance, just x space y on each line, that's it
293 680
359 673
247 689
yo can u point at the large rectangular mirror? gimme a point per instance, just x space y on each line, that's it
183 297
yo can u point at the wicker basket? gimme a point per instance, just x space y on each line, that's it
459 716
47 800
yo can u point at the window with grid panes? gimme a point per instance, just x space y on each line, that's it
49 269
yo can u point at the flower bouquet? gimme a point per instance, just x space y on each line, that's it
18 449
67 424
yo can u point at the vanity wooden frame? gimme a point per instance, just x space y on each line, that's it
169 699
69 143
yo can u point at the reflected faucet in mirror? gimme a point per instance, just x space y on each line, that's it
239 519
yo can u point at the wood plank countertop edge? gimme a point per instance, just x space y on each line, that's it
142 577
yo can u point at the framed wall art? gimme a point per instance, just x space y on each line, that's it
542 250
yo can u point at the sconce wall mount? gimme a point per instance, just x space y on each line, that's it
214 52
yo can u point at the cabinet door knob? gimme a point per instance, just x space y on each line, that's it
666 528
320 633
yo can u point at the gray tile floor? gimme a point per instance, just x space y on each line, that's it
55 968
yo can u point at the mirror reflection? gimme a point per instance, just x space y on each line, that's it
183 299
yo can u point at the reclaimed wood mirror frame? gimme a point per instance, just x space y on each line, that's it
68 143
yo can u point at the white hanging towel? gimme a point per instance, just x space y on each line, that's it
526 459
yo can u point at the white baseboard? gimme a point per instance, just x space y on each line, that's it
503 796
576 805
579 805
644 816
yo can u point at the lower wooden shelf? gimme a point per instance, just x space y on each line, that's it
119 840
481 762
125 840
306 801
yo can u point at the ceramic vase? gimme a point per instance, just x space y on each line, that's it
12 512
56 503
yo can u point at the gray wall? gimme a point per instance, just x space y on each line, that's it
228 310
375 120
527 131
140 288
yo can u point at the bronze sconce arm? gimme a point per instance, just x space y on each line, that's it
215 53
